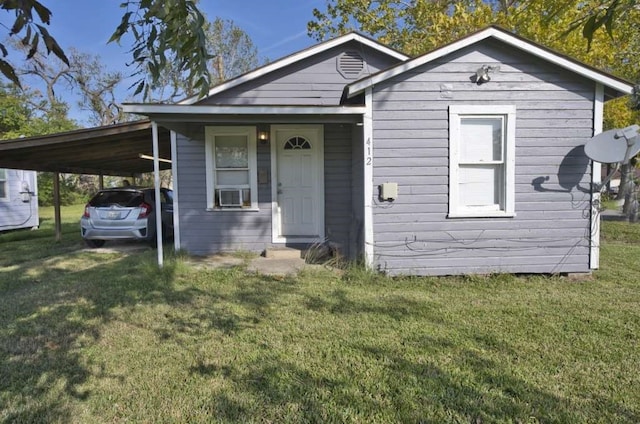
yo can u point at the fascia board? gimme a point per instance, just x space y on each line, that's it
157 109
592 74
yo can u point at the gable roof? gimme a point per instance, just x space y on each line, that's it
296 57
618 85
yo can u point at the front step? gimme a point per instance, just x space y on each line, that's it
282 253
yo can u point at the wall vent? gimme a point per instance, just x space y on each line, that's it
350 65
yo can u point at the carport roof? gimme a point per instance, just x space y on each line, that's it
108 150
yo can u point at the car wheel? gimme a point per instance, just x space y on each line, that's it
153 241
94 243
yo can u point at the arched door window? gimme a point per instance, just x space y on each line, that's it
297 143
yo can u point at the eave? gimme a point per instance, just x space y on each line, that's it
617 86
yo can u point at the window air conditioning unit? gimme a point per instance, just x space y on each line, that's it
230 198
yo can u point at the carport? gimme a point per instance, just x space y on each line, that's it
120 150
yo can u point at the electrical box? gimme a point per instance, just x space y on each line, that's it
389 191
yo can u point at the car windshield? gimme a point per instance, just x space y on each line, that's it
119 198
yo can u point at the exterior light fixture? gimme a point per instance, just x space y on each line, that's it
263 134
482 74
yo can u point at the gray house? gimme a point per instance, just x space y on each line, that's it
18 203
467 159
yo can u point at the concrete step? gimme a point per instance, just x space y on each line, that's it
282 253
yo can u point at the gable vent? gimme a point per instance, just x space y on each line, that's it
350 65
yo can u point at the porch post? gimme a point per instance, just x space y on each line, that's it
176 204
56 206
596 177
156 183
367 128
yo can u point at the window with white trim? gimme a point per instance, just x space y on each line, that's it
482 160
4 194
231 162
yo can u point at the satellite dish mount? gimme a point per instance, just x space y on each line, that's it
618 147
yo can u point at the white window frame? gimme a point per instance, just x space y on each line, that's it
456 114
210 139
4 180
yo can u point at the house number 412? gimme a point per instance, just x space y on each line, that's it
368 157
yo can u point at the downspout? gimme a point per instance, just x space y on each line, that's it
367 128
596 178
156 183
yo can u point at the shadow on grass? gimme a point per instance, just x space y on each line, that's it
48 315
248 304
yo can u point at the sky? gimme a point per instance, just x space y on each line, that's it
277 28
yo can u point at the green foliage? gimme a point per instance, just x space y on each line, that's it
20 117
602 14
166 30
30 33
68 192
14 113
400 23
233 51
96 86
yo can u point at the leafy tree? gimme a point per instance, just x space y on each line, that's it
31 34
14 113
97 87
393 20
233 54
85 74
20 118
602 14
68 193
159 28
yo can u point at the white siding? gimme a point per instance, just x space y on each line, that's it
14 212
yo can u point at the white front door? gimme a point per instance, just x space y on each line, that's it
298 183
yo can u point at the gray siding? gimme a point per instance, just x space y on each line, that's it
554 118
337 184
357 194
14 213
204 232
313 81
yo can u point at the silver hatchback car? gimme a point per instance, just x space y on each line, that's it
125 213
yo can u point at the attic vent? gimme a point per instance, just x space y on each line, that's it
350 65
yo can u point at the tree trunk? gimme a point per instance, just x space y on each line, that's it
622 188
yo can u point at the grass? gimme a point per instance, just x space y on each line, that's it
608 203
90 337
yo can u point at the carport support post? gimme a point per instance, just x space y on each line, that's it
156 183
101 181
56 206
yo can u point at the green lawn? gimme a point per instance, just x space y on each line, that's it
88 337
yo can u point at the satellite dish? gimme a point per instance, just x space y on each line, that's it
613 146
